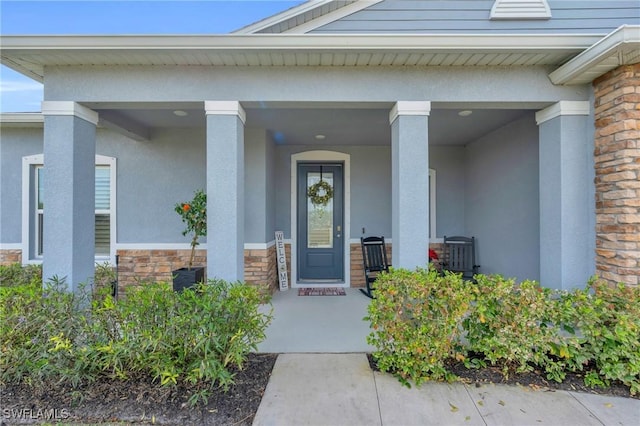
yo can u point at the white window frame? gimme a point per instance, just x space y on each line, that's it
30 207
39 213
432 206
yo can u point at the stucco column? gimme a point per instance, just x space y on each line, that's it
567 214
225 189
410 183
69 192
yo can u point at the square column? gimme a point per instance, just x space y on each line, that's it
567 212
410 183
225 190
69 192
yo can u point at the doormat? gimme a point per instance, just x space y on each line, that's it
322 291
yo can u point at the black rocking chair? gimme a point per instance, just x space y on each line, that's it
460 256
374 257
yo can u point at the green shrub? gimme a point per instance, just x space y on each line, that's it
603 322
509 323
104 278
416 318
35 331
422 321
199 336
18 275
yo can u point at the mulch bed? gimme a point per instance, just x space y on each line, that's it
535 379
140 401
322 291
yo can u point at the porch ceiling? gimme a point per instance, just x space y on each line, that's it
340 125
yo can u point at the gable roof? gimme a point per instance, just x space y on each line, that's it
306 16
475 17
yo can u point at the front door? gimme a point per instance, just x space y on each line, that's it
320 223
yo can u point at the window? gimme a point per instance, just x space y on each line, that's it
34 206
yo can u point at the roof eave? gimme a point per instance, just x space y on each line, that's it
21 52
620 47
21 119
298 41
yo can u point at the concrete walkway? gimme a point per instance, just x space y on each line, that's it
317 324
340 389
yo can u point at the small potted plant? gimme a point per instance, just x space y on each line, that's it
194 214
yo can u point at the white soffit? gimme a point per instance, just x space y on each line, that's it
29 55
621 47
520 9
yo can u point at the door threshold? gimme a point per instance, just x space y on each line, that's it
319 283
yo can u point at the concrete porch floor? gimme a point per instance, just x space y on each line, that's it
323 324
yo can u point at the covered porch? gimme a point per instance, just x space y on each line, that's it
412 171
426 150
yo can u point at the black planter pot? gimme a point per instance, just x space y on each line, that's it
185 277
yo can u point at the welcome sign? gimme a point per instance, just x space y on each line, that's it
282 261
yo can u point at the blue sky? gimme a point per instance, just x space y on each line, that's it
21 17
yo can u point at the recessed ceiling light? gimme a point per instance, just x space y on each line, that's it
180 113
320 137
465 113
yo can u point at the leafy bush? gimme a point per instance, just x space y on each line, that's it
509 323
416 318
34 332
198 337
104 278
422 321
18 275
603 326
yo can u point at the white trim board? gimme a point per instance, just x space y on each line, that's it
298 12
185 246
390 240
69 108
331 17
11 246
281 17
563 108
260 246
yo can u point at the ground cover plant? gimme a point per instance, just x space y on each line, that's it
197 340
425 324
